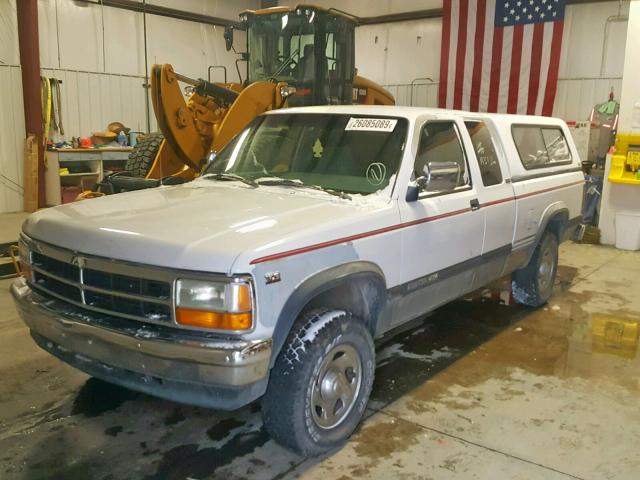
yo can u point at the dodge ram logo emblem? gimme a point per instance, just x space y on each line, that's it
78 262
376 173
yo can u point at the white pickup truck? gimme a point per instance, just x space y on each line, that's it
310 234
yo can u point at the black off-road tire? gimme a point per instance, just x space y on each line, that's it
287 404
143 155
532 285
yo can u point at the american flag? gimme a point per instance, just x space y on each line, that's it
501 55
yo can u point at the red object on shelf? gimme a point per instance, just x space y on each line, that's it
69 194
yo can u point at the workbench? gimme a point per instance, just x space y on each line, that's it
86 166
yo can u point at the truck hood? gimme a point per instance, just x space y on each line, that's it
196 226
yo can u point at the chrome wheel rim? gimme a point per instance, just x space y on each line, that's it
545 269
336 386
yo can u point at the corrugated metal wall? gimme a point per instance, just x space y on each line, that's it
11 138
590 67
98 53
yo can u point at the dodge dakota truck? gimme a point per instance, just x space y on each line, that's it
313 232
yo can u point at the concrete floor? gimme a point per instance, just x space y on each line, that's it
482 389
10 224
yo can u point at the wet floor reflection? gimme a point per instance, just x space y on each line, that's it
104 431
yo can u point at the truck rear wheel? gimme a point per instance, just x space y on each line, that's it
320 383
143 155
533 284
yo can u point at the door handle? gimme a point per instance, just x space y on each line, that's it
475 204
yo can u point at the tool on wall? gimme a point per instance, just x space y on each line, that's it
45 97
51 97
56 100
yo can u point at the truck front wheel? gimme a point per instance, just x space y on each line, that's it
320 383
533 284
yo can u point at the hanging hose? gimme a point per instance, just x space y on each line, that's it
54 123
45 96
58 103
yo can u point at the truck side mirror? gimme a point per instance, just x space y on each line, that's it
437 177
228 37
440 176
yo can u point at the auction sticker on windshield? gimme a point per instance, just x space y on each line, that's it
371 124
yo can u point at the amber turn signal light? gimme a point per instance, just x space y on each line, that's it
218 320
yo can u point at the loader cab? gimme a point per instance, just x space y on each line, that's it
307 47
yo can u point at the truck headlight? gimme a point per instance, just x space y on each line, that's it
25 260
217 305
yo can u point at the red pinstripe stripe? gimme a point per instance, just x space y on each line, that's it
461 47
444 54
514 74
537 192
358 236
496 202
391 228
534 72
477 56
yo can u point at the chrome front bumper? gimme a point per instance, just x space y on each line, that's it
146 357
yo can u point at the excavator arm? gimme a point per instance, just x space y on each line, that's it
212 115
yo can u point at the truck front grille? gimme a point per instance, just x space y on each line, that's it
100 285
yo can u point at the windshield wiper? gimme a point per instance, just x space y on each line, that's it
231 176
285 182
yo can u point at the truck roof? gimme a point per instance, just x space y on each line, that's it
412 113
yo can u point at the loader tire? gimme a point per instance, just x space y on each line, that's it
143 155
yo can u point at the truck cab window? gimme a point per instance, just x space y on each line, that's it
540 146
439 142
557 148
485 152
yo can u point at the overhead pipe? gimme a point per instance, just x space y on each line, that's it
138 6
143 7
30 65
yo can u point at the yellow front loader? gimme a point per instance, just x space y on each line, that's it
296 56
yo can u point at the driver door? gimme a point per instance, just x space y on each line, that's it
445 228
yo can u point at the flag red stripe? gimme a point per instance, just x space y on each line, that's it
496 60
477 56
534 72
444 54
554 66
514 75
461 48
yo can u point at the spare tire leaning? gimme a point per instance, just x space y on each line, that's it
144 154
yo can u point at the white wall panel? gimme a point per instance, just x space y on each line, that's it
11 139
98 89
90 101
416 46
48 33
576 98
583 40
80 35
177 42
9 51
124 41
409 50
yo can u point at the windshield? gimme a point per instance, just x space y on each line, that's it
310 50
345 153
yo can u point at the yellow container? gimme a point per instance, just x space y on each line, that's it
625 162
